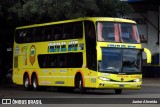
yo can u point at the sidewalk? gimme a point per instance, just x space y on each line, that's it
154 82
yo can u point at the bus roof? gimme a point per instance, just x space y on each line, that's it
94 19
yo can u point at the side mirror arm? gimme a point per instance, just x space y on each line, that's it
99 54
148 54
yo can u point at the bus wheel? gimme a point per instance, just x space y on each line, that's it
35 83
80 85
118 91
26 83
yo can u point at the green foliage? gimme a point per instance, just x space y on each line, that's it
47 10
15 13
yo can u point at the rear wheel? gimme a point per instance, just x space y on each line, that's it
35 83
118 91
26 83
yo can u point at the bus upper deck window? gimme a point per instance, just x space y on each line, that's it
117 32
108 32
129 33
57 32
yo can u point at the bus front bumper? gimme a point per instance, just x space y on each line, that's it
120 85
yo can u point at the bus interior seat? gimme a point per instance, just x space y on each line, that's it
125 36
110 36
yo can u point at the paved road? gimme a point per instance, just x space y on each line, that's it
150 89
145 92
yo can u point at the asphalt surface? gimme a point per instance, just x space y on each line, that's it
150 89
155 82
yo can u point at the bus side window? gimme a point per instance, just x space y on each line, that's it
24 36
46 33
57 32
42 61
43 34
18 35
68 31
78 30
37 34
62 61
53 61
34 34
29 35
77 60
74 60
67 60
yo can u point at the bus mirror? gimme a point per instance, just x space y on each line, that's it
148 54
99 54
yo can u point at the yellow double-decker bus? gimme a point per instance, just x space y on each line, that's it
83 53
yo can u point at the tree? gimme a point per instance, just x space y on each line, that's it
15 13
35 11
6 35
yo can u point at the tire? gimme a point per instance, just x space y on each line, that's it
35 83
118 91
26 83
80 85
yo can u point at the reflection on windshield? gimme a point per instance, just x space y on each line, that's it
111 60
120 60
117 32
131 60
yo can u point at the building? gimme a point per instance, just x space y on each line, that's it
147 15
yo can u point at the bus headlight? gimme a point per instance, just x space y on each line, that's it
104 78
137 80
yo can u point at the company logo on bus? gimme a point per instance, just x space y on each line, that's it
32 54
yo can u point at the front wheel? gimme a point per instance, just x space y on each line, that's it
118 91
80 85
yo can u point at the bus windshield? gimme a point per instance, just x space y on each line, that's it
120 61
117 32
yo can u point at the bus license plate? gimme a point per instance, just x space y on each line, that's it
121 86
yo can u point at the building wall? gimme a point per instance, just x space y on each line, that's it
148 28
159 35
152 31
